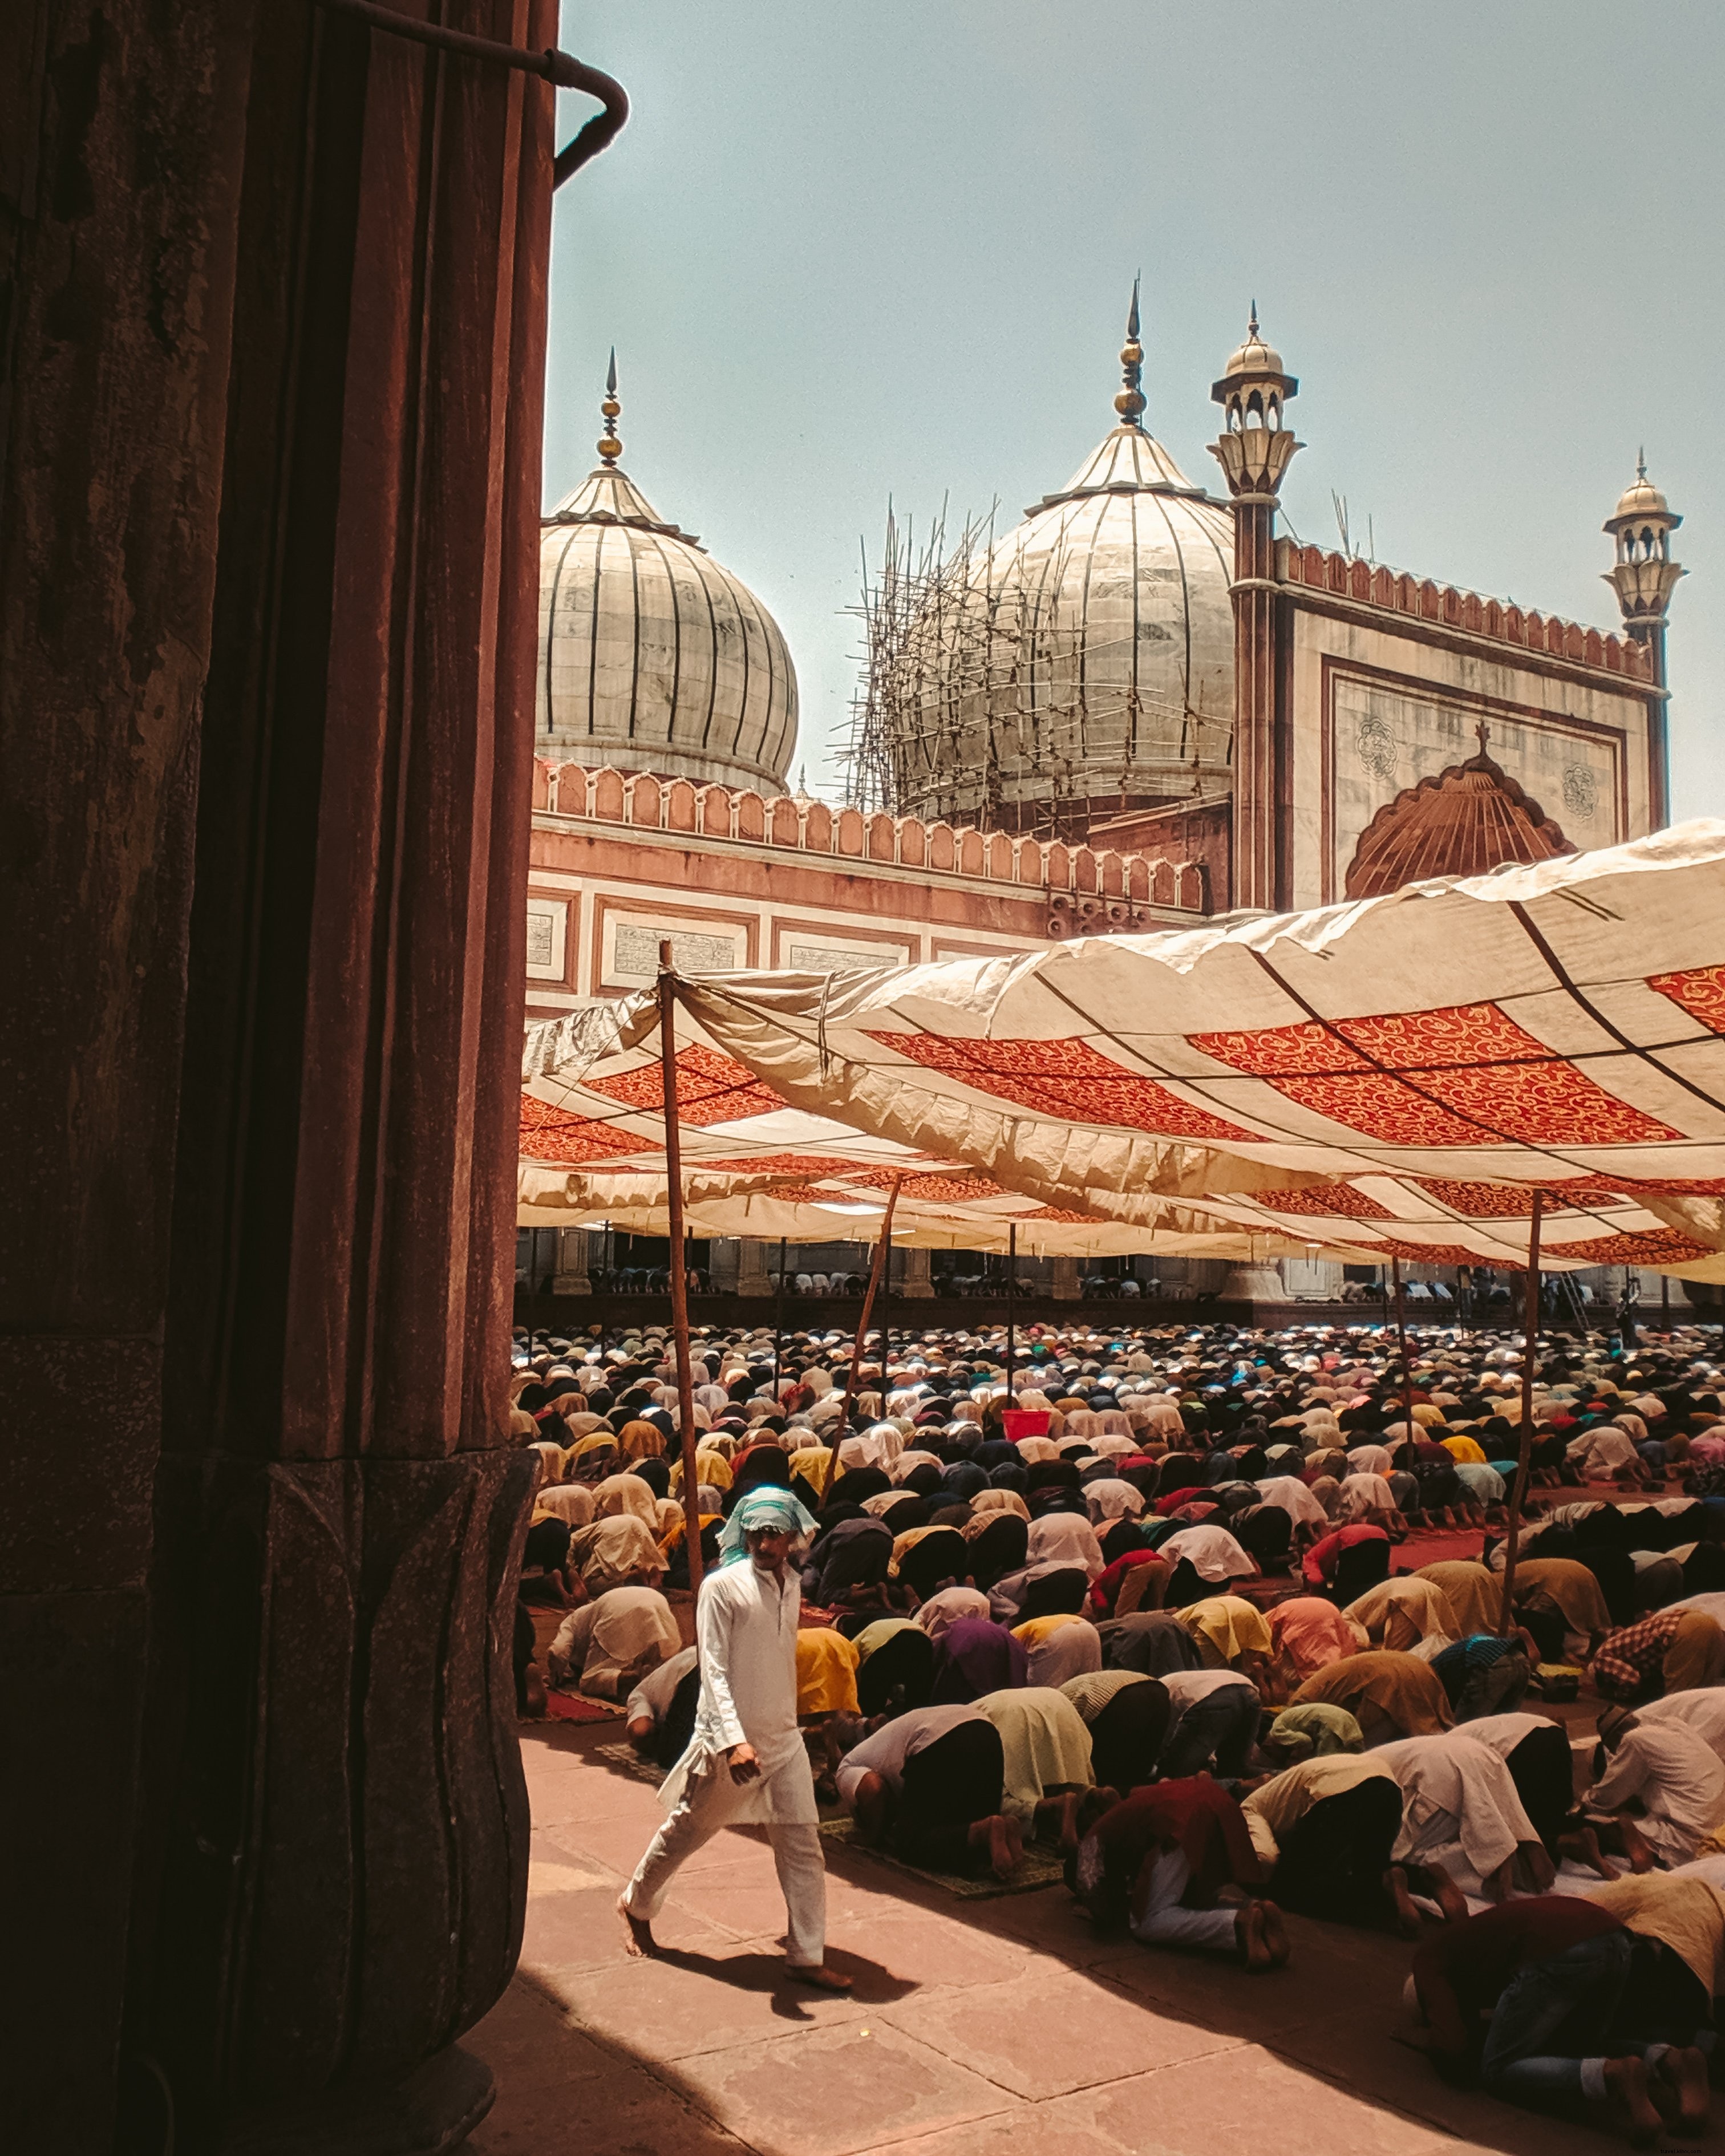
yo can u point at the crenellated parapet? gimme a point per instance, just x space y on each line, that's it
1369 583
1087 888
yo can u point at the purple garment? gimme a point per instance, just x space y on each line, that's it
973 1657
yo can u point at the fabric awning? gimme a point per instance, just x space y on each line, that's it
1395 1076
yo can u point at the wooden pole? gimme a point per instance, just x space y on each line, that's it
1012 1267
862 1324
1524 1458
678 1270
1401 1329
779 1330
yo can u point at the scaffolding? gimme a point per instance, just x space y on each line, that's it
989 694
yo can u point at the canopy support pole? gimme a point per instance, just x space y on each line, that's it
679 1267
1012 1268
779 1330
1401 1331
862 1327
1524 1457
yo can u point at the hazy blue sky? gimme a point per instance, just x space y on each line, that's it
886 248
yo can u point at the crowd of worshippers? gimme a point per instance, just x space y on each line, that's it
1022 1623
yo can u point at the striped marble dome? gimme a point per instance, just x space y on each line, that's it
1083 662
651 656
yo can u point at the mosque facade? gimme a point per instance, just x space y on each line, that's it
1143 706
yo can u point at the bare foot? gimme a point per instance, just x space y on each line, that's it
1626 2091
639 1932
1407 1916
1448 1896
1637 1848
1587 1849
820 1976
1684 2073
1534 1867
1275 1934
1249 1936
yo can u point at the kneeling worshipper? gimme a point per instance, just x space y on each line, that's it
1217 1713
1671 1776
1151 1642
1156 1861
1462 1823
1324 1829
609 1646
1310 1732
660 1715
1407 1613
1702 1711
1137 1581
1678 1921
1232 1634
1047 1754
1127 1715
746 1760
1059 1647
1673 1651
1360 1555
1474 1593
1542 1766
1389 1694
1562 1604
928 1785
972 1656
618 1551
1205 1560
1542 2001
1306 1633
1487 1673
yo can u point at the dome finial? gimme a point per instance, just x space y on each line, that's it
1130 402
1252 326
608 446
1641 462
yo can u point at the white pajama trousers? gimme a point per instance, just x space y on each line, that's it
1166 1923
710 1802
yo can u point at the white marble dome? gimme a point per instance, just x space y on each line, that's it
1082 664
652 657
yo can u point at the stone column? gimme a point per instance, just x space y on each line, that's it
1067 1279
724 1258
571 1276
751 1273
916 1279
331 1884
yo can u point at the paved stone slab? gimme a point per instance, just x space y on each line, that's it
683 2002
1051 2031
831 2091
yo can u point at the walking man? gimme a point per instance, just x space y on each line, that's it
746 1761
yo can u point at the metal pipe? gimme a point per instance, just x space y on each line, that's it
779 1330
560 69
679 1272
1524 1458
1012 1268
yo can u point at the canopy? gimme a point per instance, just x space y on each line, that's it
1394 1076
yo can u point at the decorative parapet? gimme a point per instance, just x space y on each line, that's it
1099 889
1370 584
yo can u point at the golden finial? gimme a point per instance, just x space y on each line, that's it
609 448
1130 402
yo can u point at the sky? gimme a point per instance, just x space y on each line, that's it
886 250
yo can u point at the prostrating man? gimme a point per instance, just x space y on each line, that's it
928 1785
746 1760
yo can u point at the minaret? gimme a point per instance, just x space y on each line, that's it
1644 578
1255 450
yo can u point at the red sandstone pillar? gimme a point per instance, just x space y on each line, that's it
1254 451
270 533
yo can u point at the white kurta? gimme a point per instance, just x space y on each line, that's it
1677 1776
1459 1808
746 1630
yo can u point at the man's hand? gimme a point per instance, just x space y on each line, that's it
745 1767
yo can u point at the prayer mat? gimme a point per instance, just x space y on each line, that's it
1039 1868
624 1759
574 1707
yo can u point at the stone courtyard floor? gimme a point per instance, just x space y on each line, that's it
976 2028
